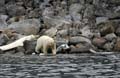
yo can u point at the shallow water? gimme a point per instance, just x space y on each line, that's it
60 66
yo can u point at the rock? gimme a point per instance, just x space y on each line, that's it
15 19
2 2
89 11
118 31
117 46
2 10
110 37
101 20
86 32
99 42
63 33
106 28
81 47
60 41
3 39
75 8
51 32
108 46
79 39
63 48
15 10
26 27
3 23
19 49
29 47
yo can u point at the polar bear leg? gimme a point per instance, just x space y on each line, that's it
54 50
37 48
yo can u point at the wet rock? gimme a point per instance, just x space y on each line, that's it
99 41
110 37
26 27
19 49
79 39
106 28
15 10
51 32
3 23
64 48
29 47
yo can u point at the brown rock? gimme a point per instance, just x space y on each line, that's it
99 41
117 46
106 28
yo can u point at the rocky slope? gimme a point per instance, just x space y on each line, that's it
82 24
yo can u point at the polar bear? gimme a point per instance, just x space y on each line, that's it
45 43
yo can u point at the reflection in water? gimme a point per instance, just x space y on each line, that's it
60 66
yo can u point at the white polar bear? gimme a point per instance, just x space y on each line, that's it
45 43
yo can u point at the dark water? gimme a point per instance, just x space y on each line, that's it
60 66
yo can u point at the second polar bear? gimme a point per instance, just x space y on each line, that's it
45 43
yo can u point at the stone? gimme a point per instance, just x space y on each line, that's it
2 2
110 37
29 47
3 23
79 39
51 32
117 46
86 32
15 10
101 20
118 31
26 27
99 41
108 46
3 39
75 8
106 28
63 33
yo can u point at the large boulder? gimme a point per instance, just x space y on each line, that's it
26 27
99 42
79 39
106 28
15 10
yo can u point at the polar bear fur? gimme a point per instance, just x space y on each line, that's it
44 43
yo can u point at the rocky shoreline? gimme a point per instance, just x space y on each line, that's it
82 24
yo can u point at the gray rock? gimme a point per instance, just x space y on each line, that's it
75 8
118 31
101 20
3 39
86 32
79 39
2 2
26 27
51 32
3 23
89 11
110 37
15 10
108 46
63 33
29 47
